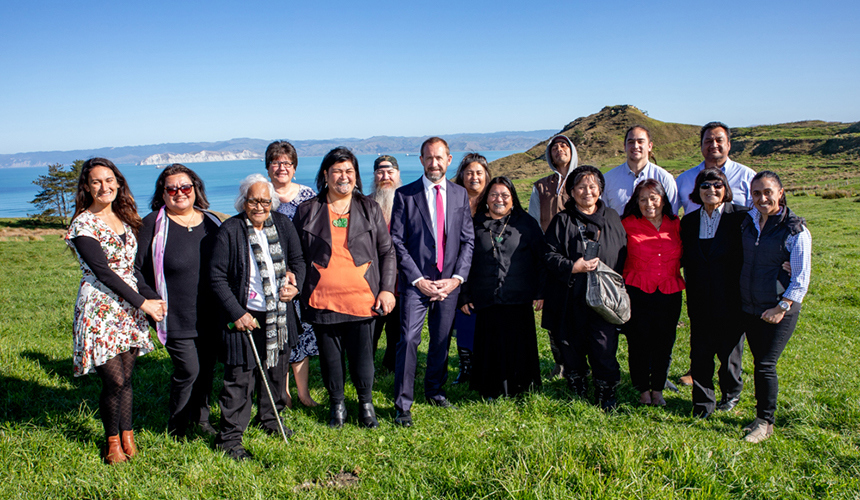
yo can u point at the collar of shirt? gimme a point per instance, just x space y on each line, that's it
429 185
644 172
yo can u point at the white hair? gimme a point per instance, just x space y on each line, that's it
246 184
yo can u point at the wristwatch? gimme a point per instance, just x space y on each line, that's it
785 306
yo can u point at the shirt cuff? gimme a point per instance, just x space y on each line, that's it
457 276
794 295
414 283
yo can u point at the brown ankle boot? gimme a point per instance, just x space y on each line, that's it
128 445
114 453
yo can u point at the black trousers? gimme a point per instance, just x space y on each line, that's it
593 341
767 341
239 384
336 342
651 336
721 336
191 383
391 324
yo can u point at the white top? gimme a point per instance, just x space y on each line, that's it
621 181
739 177
708 224
430 193
256 296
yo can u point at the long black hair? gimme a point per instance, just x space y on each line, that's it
337 155
200 200
632 207
504 181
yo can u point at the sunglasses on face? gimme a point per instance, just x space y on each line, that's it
185 188
708 185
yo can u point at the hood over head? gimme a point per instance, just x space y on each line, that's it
574 157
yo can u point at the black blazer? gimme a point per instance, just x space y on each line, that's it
231 276
367 239
712 272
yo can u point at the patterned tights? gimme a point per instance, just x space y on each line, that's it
116 398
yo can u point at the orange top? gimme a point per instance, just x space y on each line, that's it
342 287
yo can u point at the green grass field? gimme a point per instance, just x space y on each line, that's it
545 445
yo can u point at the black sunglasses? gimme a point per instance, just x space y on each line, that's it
709 185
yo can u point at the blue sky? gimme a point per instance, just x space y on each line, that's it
89 74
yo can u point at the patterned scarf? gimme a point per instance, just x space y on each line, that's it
276 311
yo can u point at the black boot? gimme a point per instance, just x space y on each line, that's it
367 416
578 385
337 415
465 366
605 392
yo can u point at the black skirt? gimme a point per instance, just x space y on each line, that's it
505 358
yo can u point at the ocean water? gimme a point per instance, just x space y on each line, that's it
221 179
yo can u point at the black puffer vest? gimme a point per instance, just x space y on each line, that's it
763 280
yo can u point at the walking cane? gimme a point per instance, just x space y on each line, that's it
265 379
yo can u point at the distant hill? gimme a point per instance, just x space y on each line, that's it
496 141
824 150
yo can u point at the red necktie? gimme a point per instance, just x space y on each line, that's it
440 230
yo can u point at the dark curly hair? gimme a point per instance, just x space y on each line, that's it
200 200
123 205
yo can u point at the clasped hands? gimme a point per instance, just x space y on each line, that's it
438 289
156 309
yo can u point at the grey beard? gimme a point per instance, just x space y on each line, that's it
385 198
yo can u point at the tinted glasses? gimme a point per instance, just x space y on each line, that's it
185 188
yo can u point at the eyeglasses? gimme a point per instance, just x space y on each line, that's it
502 196
285 164
708 185
260 203
185 188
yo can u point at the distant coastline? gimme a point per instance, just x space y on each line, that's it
200 157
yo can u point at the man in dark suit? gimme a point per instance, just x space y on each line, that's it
432 233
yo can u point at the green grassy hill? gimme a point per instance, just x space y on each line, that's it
812 154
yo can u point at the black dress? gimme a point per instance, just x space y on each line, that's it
507 275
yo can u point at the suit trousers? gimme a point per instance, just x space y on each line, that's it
391 324
239 384
191 383
721 335
767 341
440 316
651 336
338 341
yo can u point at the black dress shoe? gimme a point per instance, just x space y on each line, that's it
272 429
403 418
337 415
367 416
441 403
238 453
727 403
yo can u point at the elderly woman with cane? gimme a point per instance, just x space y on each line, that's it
257 269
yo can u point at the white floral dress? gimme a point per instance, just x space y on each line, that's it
105 324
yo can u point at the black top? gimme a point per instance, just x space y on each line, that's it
510 271
94 256
186 272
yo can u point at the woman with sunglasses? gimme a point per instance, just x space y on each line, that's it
712 265
175 242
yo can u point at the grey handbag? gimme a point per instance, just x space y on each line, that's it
604 291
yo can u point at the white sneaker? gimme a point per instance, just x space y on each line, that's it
758 430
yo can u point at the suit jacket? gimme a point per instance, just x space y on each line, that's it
366 238
713 274
413 239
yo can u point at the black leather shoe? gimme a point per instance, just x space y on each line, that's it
403 418
441 403
337 415
273 430
367 416
727 403
206 428
238 453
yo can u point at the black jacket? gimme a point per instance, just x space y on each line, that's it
712 270
231 276
367 239
565 247
510 271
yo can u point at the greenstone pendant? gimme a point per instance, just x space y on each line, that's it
341 222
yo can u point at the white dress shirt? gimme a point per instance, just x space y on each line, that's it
621 181
739 177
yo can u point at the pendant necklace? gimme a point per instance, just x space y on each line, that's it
188 223
340 221
498 239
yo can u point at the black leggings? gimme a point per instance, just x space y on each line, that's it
117 399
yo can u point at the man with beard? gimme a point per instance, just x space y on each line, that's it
432 232
386 180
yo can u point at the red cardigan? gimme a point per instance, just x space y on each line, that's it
653 257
